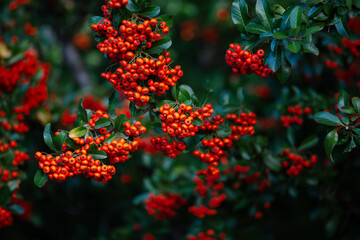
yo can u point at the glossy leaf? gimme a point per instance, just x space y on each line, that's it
239 14
263 11
102 122
49 137
327 119
295 17
255 28
40 179
330 142
78 132
309 142
159 46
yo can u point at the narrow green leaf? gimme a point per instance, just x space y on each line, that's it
341 27
356 104
278 9
49 137
197 122
60 139
120 121
159 46
295 17
310 47
280 35
255 28
330 142
151 11
272 162
78 132
82 115
114 97
264 13
348 110
132 6
328 119
98 155
239 14
313 29
350 146
175 91
294 46
314 11
102 122
284 71
291 136
40 179
343 99
274 59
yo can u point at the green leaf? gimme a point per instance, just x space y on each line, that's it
168 19
16 209
159 46
120 121
291 136
77 132
356 104
295 17
49 137
5 194
71 143
349 3
314 11
274 59
94 20
328 119
252 43
239 14
343 99
309 142
284 71
348 110
151 11
330 142
102 122
82 115
341 27
264 13
280 35
98 155
40 179
310 47
294 46
175 91
351 145
184 94
60 139
132 6
197 122
255 28
114 97
313 29
272 162
111 138
278 9
357 3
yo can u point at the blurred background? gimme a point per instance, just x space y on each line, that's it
322 205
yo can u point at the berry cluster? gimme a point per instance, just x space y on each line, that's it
81 162
162 206
201 211
296 111
172 149
244 125
260 181
294 164
6 218
116 3
244 62
144 77
208 235
179 123
211 125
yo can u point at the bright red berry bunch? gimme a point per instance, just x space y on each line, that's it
116 3
163 206
297 111
208 235
244 125
172 149
179 122
144 77
295 164
244 62
6 218
201 211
